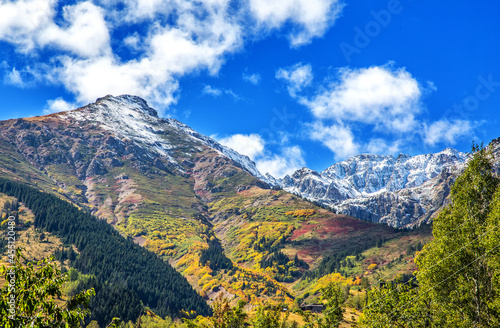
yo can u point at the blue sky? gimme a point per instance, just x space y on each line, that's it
290 83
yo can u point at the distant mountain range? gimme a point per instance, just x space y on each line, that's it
401 191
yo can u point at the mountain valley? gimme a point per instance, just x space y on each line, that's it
207 211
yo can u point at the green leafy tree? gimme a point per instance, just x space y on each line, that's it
459 269
151 321
396 305
27 297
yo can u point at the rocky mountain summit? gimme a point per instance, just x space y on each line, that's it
102 154
403 191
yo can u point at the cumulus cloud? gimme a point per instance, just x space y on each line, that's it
87 34
278 165
24 78
133 41
297 77
14 78
381 146
58 105
336 137
251 145
166 40
312 16
29 24
21 21
384 101
208 90
287 160
383 96
446 131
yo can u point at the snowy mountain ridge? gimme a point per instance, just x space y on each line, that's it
400 191
394 190
131 117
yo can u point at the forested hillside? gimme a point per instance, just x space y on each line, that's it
124 274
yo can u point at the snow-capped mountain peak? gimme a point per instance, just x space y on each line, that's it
364 178
131 117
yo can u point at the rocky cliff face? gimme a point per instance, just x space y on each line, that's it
401 191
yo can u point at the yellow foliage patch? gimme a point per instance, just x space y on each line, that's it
301 213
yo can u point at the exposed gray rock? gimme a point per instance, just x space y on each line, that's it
403 192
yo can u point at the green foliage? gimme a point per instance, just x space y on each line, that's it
284 269
214 254
459 269
112 300
396 305
273 317
154 322
93 324
27 297
334 309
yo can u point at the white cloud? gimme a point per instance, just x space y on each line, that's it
216 92
252 78
166 40
21 21
286 161
313 16
251 145
208 90
29 24
444 131
87 66
338 138
133 41
382 96
90 79
58 105
381 146
381 100
86 36
24 78
14 78
297 76
290 160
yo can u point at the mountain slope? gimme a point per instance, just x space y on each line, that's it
401 192
182 195
118 265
